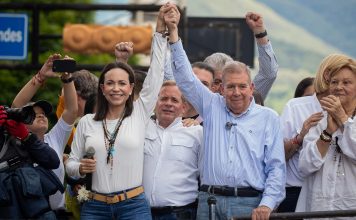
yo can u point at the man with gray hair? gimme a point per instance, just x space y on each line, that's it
243 164
268 66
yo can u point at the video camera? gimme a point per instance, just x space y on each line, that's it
25 114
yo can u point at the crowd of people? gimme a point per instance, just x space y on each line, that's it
157 145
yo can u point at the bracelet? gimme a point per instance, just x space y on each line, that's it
325 138
37 78
294 140
67 80
261 35
327 133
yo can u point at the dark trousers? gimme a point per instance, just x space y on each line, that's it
187 212
290 202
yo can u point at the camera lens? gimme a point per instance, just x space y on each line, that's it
25 114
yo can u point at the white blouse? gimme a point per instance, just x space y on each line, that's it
330 182
127 167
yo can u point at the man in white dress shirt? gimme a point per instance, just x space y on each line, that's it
171 159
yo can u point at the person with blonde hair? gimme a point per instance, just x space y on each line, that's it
328 157
298 116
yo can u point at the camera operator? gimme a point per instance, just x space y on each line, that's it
24 188
58 135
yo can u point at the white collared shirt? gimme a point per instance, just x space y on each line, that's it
296 111
170 176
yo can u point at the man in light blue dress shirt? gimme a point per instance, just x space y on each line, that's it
243 163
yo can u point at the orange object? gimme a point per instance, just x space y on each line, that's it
91 39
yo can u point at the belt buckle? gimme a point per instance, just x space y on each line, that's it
111 199
210 189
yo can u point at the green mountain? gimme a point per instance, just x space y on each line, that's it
329 20
297 30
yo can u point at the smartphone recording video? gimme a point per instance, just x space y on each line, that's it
66 65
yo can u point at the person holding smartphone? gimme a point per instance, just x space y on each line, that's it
58 136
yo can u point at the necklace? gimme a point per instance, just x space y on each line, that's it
109 139
353 114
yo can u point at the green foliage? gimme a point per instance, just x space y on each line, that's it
51 22
292 57
284 87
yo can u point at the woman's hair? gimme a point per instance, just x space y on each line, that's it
326 67
302 86
102 103
351 65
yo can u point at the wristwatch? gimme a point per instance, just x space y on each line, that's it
261 35
66 78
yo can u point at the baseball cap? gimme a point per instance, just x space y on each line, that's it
44 105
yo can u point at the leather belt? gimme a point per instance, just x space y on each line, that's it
111 199
231 191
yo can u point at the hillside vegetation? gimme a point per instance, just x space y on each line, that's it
298 48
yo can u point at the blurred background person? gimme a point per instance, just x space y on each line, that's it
268 66
305 87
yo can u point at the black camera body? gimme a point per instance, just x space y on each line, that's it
25 114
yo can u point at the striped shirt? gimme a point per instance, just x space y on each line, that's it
268 69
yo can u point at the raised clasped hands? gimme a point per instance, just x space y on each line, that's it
161 25
336 113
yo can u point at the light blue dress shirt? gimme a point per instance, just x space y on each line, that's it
250 153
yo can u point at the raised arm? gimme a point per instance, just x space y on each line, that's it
70 98
29 90
196 93
268 66
154 79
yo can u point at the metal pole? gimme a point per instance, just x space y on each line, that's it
35 36
305 215
212 205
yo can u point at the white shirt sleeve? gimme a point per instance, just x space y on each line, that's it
310 159
77 150
347 139
154 78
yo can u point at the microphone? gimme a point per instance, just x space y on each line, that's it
228 125
88 177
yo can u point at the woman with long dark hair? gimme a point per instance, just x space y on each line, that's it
117 131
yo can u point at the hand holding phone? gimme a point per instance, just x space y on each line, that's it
64 65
